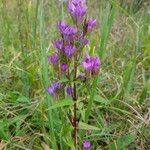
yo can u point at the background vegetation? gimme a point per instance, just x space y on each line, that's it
120 115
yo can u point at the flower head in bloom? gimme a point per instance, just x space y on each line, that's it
54 88
77 9
61 26
63 67
91 23
53 59
70 31
86 145
78 2
69 50
58 44
70 91
91 64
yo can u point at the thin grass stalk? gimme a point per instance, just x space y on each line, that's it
45 76
90 102
107 22
23 38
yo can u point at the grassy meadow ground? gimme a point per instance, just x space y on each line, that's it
120 114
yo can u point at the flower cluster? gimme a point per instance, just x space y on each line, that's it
70 45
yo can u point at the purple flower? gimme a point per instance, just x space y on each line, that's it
63 67
77 9
78 2
54 88
58 44
82 75
70 91
62 26
91 64
91 23
86 145
53 59
83 40
69 50
69 31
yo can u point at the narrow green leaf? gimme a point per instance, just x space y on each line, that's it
62 103
85 126
23 99
3 134
122 142
101 100
143 95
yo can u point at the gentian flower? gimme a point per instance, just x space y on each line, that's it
91 23
78 2
77 9
70 91
54 88
61 26
63 67
86 145
69 50
69 33
58 44
91 64
53 59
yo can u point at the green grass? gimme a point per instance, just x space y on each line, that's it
116 115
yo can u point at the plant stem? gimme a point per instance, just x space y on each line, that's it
75 125
75 107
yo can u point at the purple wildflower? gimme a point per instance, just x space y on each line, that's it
69 31
91 64
78 2
82 75
83 40
63 67
70 91
58 44
91 23
86 145
62 26
53 58
54 88
69 50
77 9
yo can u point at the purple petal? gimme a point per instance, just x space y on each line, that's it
70 91
51 90
91 23
86 145
55 88
69 50
61 26
91 64
70 31
64 67
82 75
77 9
58 44
53 59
